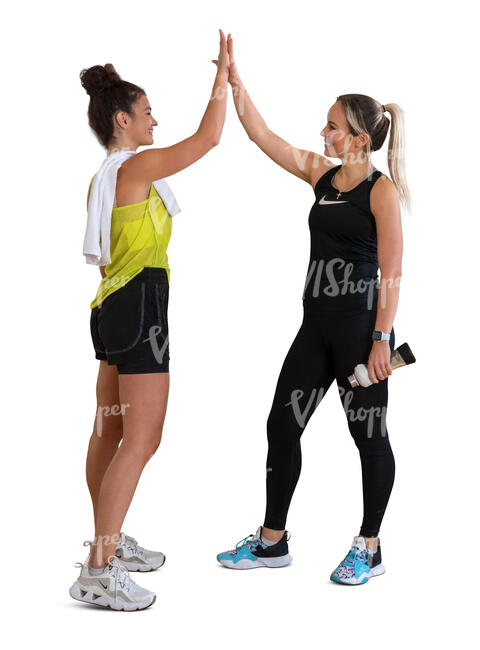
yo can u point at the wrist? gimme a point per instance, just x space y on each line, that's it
222 74
380 335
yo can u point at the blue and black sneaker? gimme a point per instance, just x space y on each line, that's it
251 553
359 564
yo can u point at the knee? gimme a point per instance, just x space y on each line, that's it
373 446
143 448
281 430
151 447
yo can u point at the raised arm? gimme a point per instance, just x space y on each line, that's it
307 165
151 164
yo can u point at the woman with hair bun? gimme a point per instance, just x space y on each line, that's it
130 210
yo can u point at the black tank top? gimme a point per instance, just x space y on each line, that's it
343 268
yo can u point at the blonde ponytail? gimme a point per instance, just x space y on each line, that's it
396 154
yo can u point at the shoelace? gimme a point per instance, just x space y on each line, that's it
250 541
351 557
132 544
122 576
347 565
114 567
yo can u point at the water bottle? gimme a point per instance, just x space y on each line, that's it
402 356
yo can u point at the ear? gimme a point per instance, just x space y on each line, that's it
363 138
121 119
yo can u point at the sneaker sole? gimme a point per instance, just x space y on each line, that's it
269 562
361 580
83 595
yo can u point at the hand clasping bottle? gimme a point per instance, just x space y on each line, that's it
402 356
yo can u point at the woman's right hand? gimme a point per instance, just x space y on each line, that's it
222 62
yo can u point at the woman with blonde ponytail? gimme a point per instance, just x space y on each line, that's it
355 230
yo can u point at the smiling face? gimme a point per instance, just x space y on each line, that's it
338 140
141 129
137 131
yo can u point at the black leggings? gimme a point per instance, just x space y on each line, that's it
328 346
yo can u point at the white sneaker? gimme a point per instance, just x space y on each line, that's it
135 557
113 588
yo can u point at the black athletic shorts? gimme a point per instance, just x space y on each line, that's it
129 328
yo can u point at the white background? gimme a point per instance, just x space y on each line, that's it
239 255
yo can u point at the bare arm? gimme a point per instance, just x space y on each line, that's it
385 206
157 163
305 164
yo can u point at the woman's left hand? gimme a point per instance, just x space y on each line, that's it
379 361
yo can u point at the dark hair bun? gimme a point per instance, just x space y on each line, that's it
98 78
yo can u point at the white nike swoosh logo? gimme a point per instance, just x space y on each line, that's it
324 202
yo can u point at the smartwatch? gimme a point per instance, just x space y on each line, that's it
380 336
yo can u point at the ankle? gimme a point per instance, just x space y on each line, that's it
101 549
271 534
97 559
95 564
371 543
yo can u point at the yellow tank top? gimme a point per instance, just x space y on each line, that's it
139 237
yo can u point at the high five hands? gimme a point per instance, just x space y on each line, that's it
225 59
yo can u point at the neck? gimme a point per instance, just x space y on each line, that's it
353 171
114 149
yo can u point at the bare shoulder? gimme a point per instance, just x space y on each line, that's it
384 197
320 166
131 186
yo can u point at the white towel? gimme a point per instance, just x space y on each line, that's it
96 245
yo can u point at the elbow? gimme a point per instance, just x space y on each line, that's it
207 139
258 136
211 140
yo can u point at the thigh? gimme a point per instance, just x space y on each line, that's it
305 376
350 336
145 398
133 325
365 408
108 417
